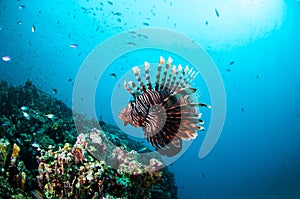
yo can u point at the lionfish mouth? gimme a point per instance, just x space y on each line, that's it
166 109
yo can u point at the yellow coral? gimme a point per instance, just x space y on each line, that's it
16 150
23 180
3 148
67 147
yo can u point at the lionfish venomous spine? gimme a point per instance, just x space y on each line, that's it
166 109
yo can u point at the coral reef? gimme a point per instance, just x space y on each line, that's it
43 156
73 172
13 173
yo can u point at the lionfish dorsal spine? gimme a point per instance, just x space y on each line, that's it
147 72
170 76
160 63
130 90
186 81
166 69
175 72
137 73
135 88
177 82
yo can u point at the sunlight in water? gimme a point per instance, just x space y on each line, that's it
221 24
241 21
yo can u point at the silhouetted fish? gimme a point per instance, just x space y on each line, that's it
54 91
114 75
217 13
166 109
32 28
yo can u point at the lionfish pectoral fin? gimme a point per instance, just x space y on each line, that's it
177 95
155 119
173 148
176 142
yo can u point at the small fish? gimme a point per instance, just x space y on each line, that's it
228 70
217 13
110 3
142 149
114 75
26 115
119 20
6 58
257 76
117 14
24 108
206 23
146 24
231 63
73 45
70 79
243 110
54 91
131 43
203 175
35 145
22 7
50 116
32 28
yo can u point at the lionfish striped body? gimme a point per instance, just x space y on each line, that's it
165 110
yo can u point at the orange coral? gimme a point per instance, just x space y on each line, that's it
16 150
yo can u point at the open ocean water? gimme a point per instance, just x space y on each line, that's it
254 45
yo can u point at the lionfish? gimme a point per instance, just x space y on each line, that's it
166 110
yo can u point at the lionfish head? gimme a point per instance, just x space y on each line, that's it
125 115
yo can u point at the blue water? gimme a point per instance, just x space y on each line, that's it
258 152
